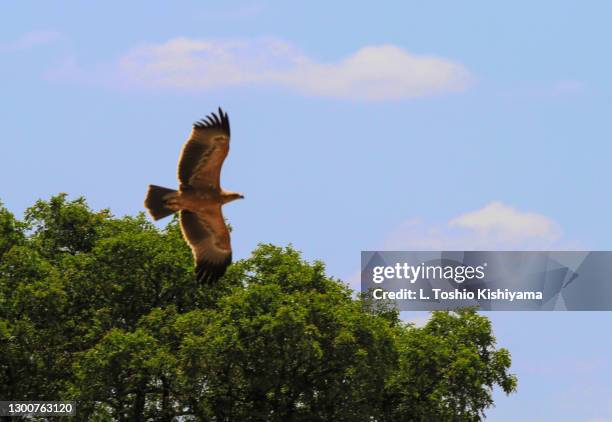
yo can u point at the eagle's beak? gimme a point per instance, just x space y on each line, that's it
241 196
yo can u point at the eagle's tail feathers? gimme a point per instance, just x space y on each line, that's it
156 202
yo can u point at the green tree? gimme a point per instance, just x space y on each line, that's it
106 311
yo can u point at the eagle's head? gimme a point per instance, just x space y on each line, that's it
231 196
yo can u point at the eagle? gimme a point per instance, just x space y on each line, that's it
200 197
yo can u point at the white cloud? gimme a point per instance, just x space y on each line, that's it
30 39
508 224
377 72
496 226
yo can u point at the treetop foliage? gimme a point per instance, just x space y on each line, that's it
106 311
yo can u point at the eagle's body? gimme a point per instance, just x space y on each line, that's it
200 197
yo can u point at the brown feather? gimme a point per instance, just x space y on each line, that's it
208 236
204 152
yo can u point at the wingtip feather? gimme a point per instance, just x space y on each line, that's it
208 273
214 120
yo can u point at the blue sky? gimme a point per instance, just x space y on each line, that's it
437 125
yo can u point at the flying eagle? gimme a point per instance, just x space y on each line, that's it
200 196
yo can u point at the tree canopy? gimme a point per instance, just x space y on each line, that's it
107 312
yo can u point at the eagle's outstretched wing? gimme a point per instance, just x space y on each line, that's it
208 236
204 152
